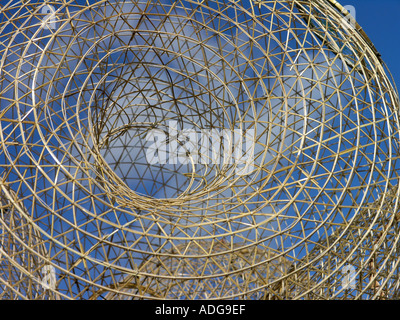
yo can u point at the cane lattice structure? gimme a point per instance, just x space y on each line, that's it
199 149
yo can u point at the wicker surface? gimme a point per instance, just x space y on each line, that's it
84 213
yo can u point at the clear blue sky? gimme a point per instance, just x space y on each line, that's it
381 21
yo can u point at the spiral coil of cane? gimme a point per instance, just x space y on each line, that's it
211 149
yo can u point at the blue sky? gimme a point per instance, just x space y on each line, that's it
381 22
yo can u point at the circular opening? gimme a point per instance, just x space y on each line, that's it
160 128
